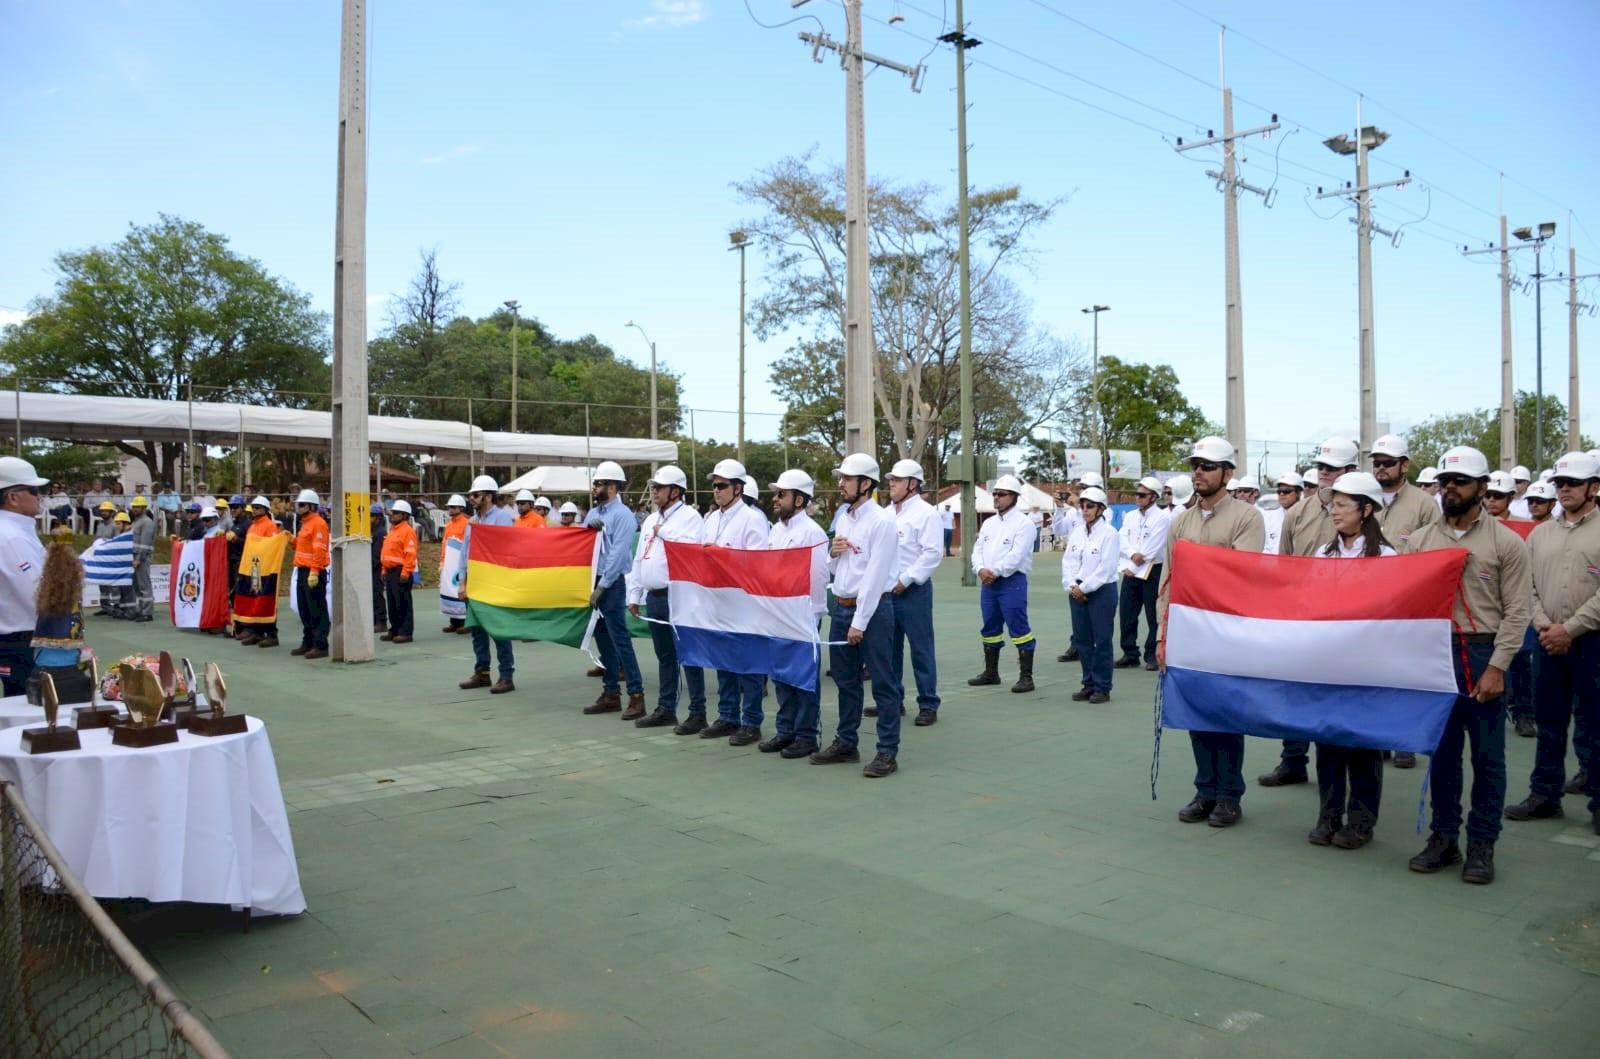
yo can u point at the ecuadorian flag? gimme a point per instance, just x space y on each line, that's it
531 584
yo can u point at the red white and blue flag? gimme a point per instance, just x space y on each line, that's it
200 583
1349 652
745 611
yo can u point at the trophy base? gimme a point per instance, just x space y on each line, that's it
95 717
50 740
180 715
211 724
137 736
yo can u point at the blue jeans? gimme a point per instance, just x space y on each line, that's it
480 654
1139 596
949 535
667 669
1004 605
874 652
799 712
739 698
1568 690
913 619
611 637
1091 635
1218 765
1483 726
1521 678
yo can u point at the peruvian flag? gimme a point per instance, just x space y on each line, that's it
200 583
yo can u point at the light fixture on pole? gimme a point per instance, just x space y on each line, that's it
1537 241
513 305
652 344
1094 311
740 241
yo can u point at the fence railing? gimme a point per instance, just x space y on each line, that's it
71 983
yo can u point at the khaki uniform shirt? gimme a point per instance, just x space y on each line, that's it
1233 524
1307 528
1496 590
1566 573
1407 512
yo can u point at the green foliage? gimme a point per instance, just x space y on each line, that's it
61 462
1480 428
1141 407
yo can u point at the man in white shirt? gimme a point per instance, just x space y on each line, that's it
1143 540
863 562
732 523
21 565
1002 556
1522 478
918 553
1089 576
947 521
672 520
799 709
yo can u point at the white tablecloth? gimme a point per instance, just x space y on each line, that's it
198 820
16 711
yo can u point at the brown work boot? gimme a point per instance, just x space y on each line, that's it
270 641
477 680
595 671
635 708
502 686
608 702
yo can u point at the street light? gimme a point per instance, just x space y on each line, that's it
648 339
1094 378
1546 230
513 305
740 241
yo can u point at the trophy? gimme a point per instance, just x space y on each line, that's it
173 708
219 721
146 699
97 714
50 738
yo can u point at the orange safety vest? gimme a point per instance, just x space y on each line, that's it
532 520
400 549
311 543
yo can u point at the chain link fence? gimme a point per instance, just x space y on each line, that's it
71 984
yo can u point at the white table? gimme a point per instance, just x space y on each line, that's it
17 712
198 820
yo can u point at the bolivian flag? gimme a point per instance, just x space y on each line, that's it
255 593
531 586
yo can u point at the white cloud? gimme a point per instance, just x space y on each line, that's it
458 151
670 14
12 316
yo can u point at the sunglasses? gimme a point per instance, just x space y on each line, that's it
1540 500
1445 480
1559 483
1286 490
1385 464
718 487
1204 465
1142 495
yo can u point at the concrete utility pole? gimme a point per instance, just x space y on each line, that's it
351 637
652 344
1230 185
516 316
1573 305
859 353
968 476
1368 138
1094 311
740 241
1508 394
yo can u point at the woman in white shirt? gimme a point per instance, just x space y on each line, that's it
1089 576
1350 779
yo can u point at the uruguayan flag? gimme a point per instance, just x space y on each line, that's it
110 561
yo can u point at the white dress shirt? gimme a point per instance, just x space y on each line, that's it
680 523
801 531
1519 509
21 567
1273 521
921 541
866 569
1143 533
737 526
1004 544
1066 519
1090 561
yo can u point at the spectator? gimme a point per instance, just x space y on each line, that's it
167 503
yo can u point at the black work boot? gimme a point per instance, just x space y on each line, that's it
1025 677
1322 834
659 718
718 729
1282 776
1226 814
991 667
695 724
1534 807
1479 868
1577 784
1525 726
1069 655
1197 810
836 753
1405 759
1439 853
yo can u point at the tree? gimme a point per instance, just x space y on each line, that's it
167 305
1480 428
1140 407
1045 460
915 305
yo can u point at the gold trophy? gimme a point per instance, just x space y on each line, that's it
97 714
145 697
219 721
50 738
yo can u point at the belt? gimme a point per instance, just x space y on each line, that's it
1474 637
656 592
850 601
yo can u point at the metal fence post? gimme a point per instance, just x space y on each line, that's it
694 465
11 929
19 416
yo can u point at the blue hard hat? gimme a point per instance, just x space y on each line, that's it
377 509
236 500
193 505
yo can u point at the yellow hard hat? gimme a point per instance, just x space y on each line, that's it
106 505
140 501
122 516
222 501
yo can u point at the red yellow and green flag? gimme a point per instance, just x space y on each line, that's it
524 585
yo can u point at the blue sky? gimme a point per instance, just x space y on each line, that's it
580 157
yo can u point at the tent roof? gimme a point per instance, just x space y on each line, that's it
981 498
551 480
549 450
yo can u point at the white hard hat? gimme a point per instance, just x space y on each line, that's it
209 512
308 496
1311 478
543 502
400 507
569 508
1182 487
1248 482
15 471
1092 478
1390 445
261 501
1337 452
524 496
1359 483
1595 453
1094 495
1213 450
1464 459
1519 473
858 465
1576 465
1292 480
1549 473
1427 476
456 500
751 489
797 480
1232 486
732 470
484 484
609 471
1150 484
667 474
1540 491
1502 482
906 469
1006 483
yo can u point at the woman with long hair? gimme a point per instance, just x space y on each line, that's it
58 634
1350 779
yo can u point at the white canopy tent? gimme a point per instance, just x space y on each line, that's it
551 480
1035 499
564 450
981 497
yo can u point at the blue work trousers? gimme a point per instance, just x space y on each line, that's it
873 652
667 668
480 654
1140 596
1218 765
739 697
913 620
1004 606
1522 678
1568 690
1091 635
799 712
1482 725
612 639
